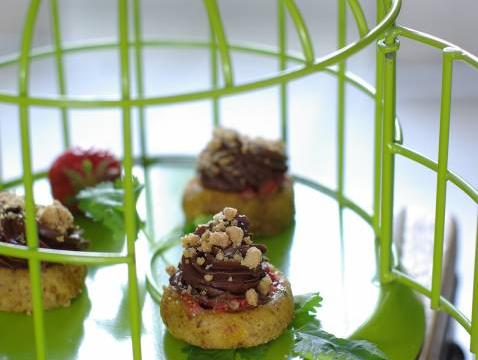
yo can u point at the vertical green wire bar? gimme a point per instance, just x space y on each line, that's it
215 23
341 42
282 40
31 228
214 74
440 204
388 49
55 19
138 46
341 68
474 312
129 202
378 126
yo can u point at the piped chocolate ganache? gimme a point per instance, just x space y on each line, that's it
56 229
235 163
221 268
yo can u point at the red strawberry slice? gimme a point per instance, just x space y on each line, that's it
269 187
77 169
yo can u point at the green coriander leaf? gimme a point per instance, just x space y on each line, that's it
196 353
253 353
305 309
312 343
104 203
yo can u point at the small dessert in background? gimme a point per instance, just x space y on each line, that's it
224 293
247 174
61 283
77 169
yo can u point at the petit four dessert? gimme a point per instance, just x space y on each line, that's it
224 293
245 173
61 283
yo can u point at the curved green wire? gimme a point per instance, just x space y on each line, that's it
444 304
215 23
302 31
281 78
467 188
359 16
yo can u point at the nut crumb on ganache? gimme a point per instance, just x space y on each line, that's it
171 270
235 162
265 285
216 256
229 213
253 258
251 297
55 217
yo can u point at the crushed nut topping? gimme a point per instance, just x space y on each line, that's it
215 251
253 258
189 252
171 270
229 213
236 234
237 257
55 217
251 297
220 239
234 162
220 256
191 240
225 229
9 200
264 286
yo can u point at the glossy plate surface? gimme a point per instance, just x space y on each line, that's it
312 254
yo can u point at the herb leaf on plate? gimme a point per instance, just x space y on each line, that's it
316 344
253 353
305 309
196 353
313 343
104 203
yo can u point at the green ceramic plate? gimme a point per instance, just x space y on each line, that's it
312 253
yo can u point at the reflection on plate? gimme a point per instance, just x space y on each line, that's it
310 253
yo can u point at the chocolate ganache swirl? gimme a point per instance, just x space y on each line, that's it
221 265
60 235
233 162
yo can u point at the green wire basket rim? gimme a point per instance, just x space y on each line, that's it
458 52
244 47
281 78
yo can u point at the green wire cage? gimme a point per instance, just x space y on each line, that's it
383 33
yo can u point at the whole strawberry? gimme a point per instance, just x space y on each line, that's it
77 169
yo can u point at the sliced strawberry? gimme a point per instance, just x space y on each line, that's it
77 169
248 193
192 306
270 187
